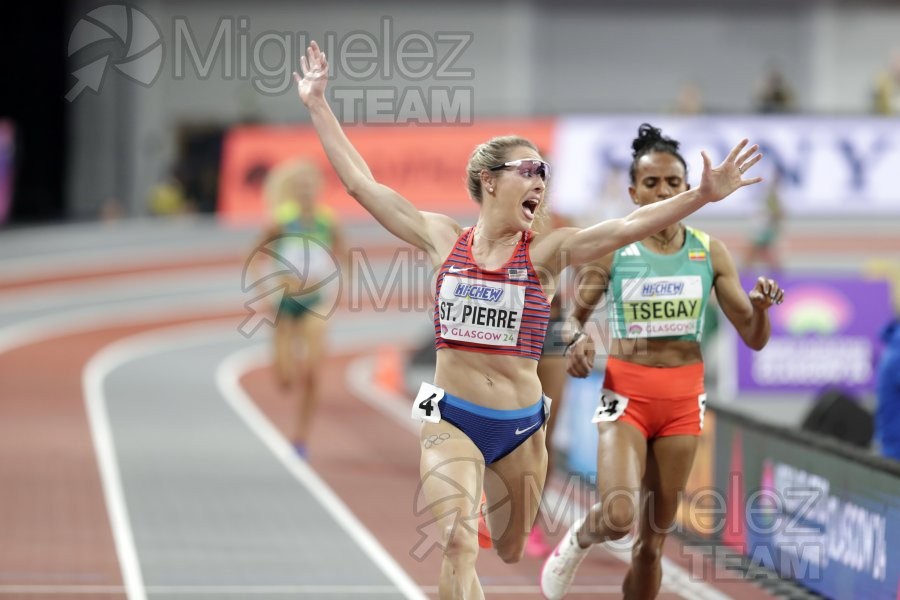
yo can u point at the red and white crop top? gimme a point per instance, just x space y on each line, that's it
495 312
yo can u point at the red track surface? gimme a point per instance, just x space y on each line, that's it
372 463
53 521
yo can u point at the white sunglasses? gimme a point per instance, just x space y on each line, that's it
527 167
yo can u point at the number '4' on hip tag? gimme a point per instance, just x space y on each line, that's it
612 406
425 406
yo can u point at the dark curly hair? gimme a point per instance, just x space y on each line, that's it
650 139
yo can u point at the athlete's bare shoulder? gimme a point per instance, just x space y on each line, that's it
546 246
551 240
442 233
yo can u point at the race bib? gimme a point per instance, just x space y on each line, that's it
479 311
425 406
662 306
611 407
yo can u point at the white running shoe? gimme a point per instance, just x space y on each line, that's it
559 568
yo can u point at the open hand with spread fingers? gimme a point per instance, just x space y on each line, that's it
314 66
718 182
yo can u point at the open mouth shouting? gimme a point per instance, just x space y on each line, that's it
529 207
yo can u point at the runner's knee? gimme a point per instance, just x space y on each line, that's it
511 552
616 516
460 545
648 551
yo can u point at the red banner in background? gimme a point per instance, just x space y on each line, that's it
424 164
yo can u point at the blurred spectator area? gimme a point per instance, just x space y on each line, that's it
521 59
190 184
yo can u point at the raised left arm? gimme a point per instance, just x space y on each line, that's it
715 183
591 243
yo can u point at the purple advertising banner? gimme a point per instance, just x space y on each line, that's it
825 333
6 168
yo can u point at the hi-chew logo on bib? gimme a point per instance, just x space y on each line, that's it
482 312
662 306
478 292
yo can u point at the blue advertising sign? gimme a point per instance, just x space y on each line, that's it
821 518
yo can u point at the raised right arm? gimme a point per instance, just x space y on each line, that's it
427 231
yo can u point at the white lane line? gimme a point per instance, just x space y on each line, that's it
118 288
93 318
288 590
675 578
228 379
90 261
147 343
100 365
101 262
360 382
